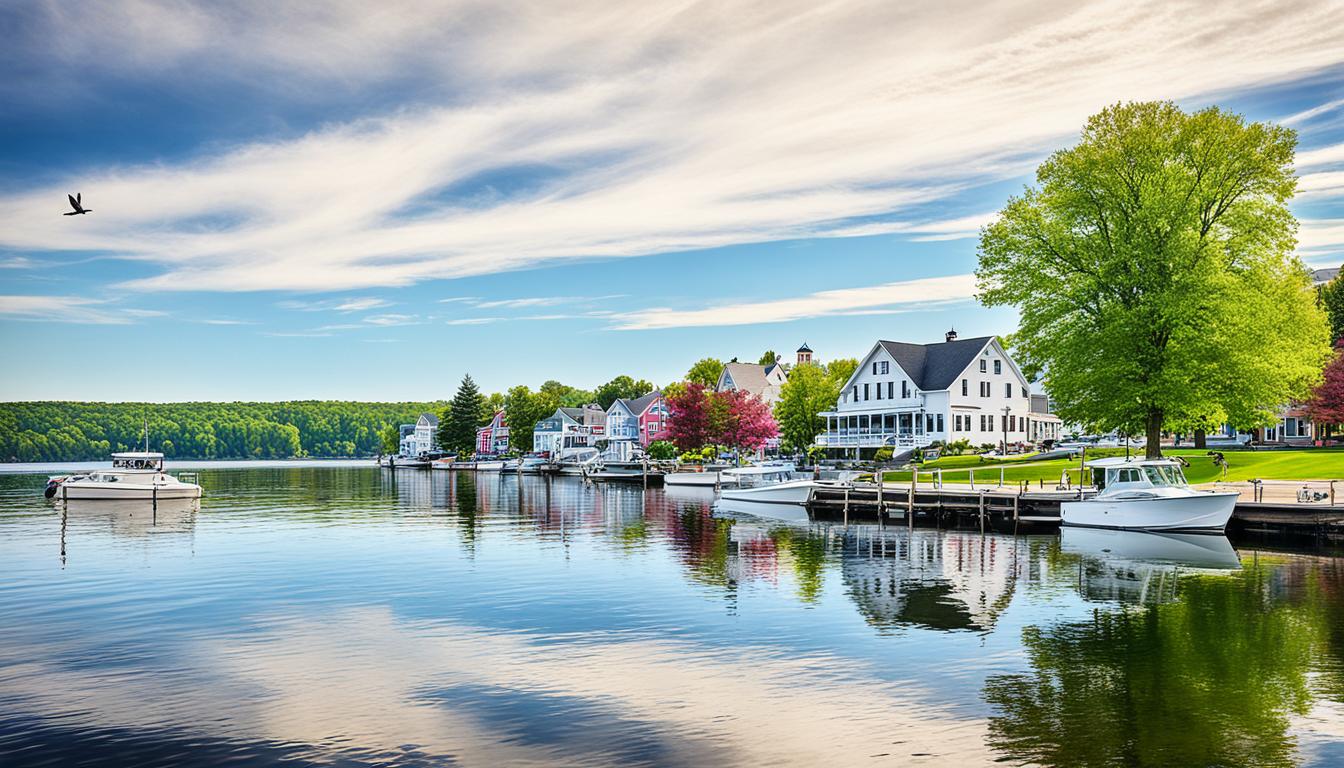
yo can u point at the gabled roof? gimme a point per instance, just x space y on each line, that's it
639 405
1324 275
804 348
573 413
934 367
432 420
749 377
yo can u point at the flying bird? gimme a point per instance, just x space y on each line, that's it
74 203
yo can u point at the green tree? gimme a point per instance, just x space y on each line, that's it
621 387
706 371
808 392
840 370
565 395
1332 301
389 439
1154 274
770 357
524 409
662 450
464 417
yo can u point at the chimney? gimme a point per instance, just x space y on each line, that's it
951 335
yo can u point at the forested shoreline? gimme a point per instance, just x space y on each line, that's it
75 431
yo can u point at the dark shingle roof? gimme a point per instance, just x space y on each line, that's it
573 413
431 418
1324 275
935 366
804 348
639 404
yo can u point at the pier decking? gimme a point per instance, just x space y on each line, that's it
1023 506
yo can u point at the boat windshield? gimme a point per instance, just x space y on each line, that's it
1164 474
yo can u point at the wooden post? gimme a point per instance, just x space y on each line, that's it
846 504
972 475
982 511
880 480
1000 475
910 503
1016 499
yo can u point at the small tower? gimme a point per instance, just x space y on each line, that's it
951 335
804 354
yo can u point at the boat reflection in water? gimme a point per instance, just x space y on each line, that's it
132 517
1143 566
766 510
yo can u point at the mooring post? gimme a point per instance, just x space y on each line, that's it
1332 493
982 511
910 503
880 480
1000 475
972 475
1016 499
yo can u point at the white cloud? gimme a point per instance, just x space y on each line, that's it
392 319
68 309
336 305
475 320
698 126
1324 184
229 322
868 299
1314 112
1316 234
1327 155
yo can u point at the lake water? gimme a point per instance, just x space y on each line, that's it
317 615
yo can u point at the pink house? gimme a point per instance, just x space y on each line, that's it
493 437
640 421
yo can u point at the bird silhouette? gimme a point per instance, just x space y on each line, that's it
74 203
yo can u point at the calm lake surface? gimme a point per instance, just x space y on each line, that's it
320 615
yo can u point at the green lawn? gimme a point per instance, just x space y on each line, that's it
1242 465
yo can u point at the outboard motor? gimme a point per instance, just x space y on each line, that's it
52 485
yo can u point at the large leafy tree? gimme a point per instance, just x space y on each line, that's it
769 357
691 424
621 387
464 417
840 370
524 409
1332 301
1154 273
808 392
745 422
705 372
565 395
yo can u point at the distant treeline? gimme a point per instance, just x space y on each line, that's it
68 431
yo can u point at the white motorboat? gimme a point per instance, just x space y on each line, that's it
789 513
489 464
444 462
134 475
769 483
1149 495
702 477
578 461
531 464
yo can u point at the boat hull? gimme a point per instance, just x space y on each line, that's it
1203 512
790 492
126 491
789 513
698 479
489 466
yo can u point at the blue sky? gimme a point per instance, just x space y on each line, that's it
338 203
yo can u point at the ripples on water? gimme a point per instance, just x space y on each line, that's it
351 616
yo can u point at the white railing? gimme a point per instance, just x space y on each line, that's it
872 440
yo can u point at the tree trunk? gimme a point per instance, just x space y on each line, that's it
1201 439
1153 449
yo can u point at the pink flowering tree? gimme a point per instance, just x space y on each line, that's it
746 423
1326 406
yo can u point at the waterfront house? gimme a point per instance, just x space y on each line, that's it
763 381
906 395
493 437
569 428
638 421
420 437
1042 423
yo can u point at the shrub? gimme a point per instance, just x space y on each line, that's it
661 450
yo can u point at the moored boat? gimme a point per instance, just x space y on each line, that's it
134 475
1149 495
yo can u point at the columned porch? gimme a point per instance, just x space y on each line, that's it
875 429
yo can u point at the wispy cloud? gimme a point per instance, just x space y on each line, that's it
702 126
541 301
392 319
227 321
336 305
1327 155
868 299
69 309
18 262
1324 184
475 320
1308 114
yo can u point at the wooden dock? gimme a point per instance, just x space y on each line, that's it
1023 507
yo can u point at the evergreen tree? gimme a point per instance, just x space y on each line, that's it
463 418
1331 297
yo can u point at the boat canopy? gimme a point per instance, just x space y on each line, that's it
137 460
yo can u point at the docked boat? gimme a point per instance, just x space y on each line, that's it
487 463
134 475
444 462
531 464
578 461
1148 495
703 477
770 483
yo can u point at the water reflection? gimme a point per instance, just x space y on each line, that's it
362 617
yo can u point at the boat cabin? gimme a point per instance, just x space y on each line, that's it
152 462
1118 474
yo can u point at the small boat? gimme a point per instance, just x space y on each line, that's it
511 466
1148 495
531 464
488 463
134 475
701 476
769 483
578 461
443 462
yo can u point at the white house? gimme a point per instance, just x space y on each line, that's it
907 395
419 438
763 381
1043 424
569 428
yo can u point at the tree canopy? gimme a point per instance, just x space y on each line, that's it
705 372
621 387
1332 301
72 431
1326 406
1153 270
464 416
769 357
